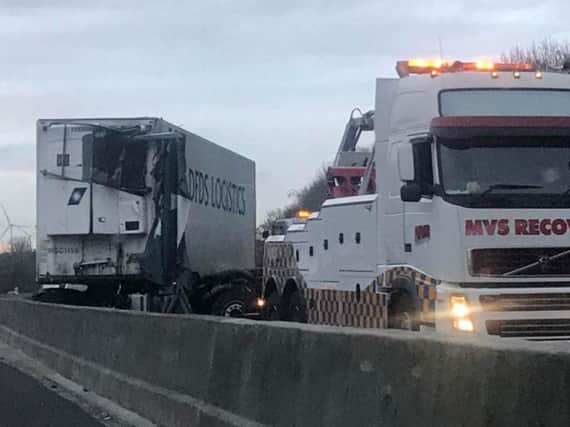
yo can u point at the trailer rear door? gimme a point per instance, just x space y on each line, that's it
63 200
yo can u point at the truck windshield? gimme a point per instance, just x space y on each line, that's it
513 171
504 102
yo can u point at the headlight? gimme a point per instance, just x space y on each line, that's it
460 311
464 325
458 306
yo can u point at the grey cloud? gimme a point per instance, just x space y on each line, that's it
263 29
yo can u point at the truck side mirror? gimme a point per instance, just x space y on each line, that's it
411 192
406 162
265 234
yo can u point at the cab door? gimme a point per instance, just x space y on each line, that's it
418 216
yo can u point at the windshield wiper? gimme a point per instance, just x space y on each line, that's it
494 187
542 261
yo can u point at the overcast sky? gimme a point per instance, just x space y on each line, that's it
273 80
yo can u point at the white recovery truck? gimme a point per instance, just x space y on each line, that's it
141 206
468 228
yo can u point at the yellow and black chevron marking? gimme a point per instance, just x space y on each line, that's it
279 263
426 287
334 307
279 255
344 308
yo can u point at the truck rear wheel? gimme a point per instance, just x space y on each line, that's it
294 309
272 308
402 313
231 303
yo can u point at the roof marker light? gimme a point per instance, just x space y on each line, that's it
485 65
303 213
538 74
434 73
517 74
494 74
417 63
425 63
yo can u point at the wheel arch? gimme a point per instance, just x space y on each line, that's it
290 287
405 284
270 287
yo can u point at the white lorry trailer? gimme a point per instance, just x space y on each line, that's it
468 229
141 206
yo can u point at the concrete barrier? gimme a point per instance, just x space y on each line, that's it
184 371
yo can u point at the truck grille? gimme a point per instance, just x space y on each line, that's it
505 262
529 328
526 302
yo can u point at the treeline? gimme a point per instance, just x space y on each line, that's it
17 270
310 197
547 55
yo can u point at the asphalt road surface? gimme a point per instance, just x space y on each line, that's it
24 402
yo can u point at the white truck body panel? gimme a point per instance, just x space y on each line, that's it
219 223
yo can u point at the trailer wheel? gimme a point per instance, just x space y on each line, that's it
294 309
231 303
402 314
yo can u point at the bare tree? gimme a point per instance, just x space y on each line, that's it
271 217
310 197
17 270
545 55
313 195
21 245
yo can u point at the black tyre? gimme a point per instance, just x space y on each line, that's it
294 308
231 303
402 313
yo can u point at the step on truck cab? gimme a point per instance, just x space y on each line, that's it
142 206
468 230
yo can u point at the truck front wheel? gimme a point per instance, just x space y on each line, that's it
402 313
294 308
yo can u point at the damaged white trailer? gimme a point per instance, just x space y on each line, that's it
139 205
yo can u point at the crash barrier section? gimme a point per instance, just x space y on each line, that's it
200 370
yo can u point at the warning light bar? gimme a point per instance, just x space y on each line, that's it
485 65
426 63
437 66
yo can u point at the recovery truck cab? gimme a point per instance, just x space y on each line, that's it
468 230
